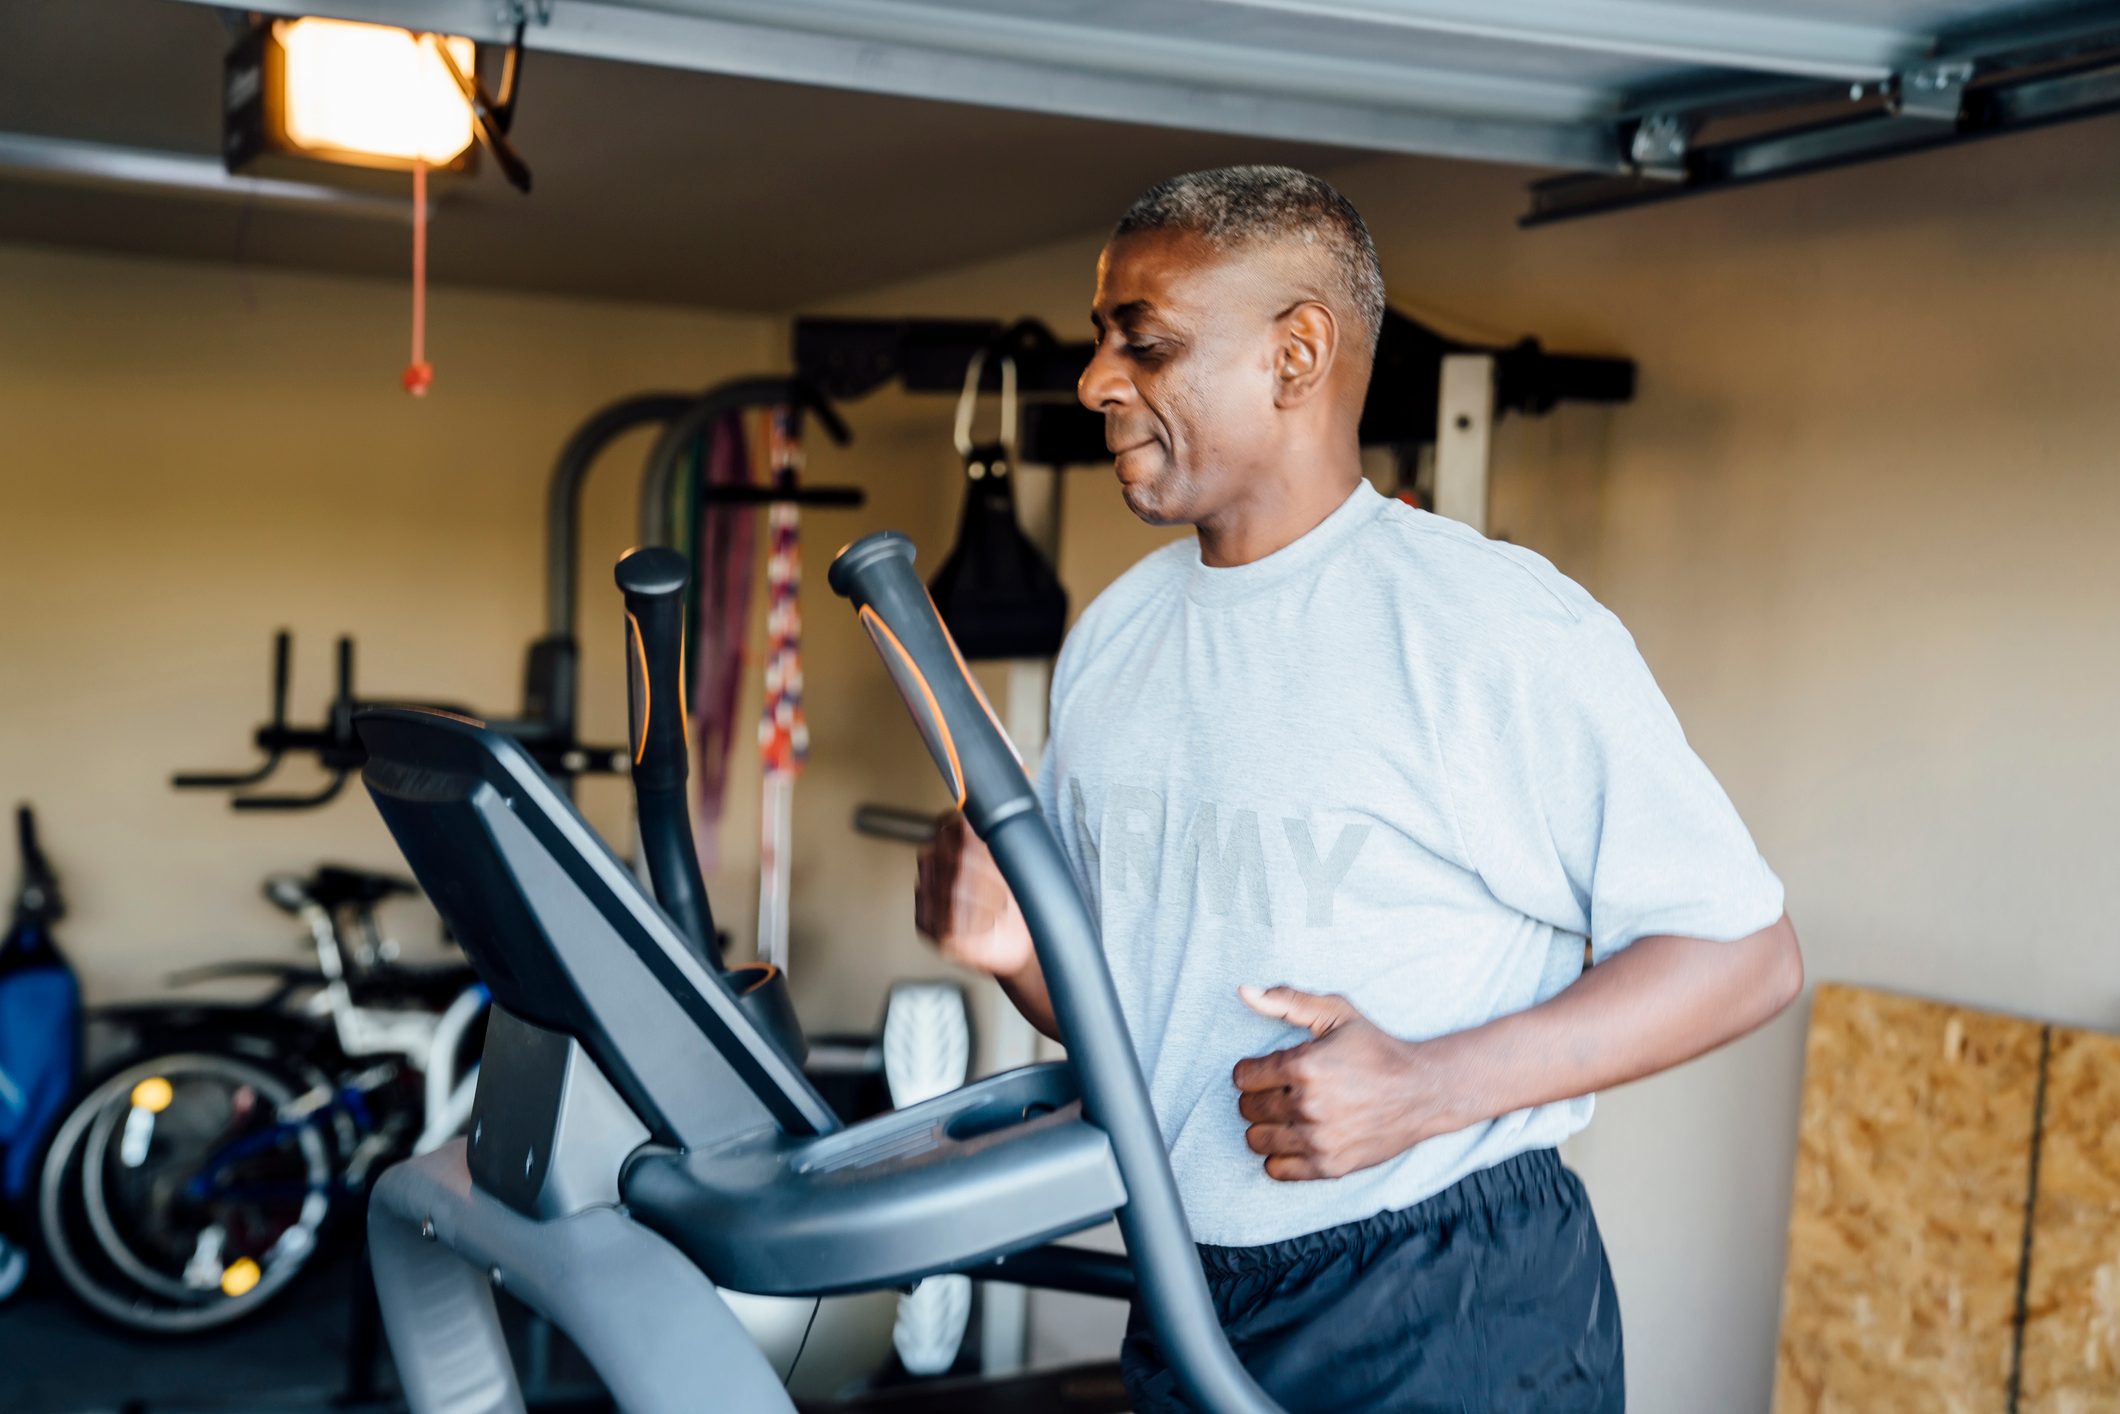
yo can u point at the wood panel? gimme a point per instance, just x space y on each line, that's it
1908 1220
2071 1361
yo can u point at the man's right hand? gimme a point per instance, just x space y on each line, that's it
963 904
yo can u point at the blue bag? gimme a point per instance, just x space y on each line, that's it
40 1020
40 1044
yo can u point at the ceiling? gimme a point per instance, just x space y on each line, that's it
651 183
1534 82
720 152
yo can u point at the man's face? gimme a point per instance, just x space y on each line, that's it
1184 372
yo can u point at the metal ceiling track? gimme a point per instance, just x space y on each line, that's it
36 157
2063 78
1637 100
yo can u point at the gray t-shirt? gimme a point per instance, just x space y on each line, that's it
1393 760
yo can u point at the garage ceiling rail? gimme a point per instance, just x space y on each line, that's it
1633 96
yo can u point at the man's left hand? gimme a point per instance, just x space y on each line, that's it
1350 1097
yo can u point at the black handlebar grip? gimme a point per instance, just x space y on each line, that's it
977 761
653 582
282 670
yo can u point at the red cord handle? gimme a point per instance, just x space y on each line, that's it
419 374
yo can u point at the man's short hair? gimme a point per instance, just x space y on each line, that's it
1231 207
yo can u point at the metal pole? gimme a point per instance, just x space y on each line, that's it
1464 422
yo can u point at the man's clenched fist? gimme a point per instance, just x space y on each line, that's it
961 901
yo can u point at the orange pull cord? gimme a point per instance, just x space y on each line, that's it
419 374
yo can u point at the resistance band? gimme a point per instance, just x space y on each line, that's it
783 735
724 550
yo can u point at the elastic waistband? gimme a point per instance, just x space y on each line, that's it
1535 1176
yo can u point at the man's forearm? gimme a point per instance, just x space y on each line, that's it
1656 1003
1026 989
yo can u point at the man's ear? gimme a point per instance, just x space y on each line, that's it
1310 341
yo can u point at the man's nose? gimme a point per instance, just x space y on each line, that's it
1104 383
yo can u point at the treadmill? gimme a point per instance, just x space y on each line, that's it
644 1136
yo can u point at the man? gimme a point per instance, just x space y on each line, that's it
1350 789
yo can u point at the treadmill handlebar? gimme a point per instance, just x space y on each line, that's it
653 583
978 763
983 772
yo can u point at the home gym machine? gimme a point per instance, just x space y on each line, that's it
683 420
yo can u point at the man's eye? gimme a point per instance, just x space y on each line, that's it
1140 350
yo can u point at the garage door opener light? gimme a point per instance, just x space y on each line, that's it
365 95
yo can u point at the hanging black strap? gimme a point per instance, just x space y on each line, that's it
995 589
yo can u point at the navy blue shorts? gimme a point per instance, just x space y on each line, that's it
1492 1295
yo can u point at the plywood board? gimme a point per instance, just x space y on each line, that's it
2071 1359
1908 1221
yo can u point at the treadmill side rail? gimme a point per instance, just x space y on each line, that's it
647 1319
948 1184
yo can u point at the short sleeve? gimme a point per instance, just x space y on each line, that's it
1047 785
1586 808
1046 779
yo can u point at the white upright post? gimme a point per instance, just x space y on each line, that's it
1464 420
775 861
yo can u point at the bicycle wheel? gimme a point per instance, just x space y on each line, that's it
183 1192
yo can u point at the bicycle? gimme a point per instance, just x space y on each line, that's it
197 1178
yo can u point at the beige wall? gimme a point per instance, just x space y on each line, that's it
194 457
1860 519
